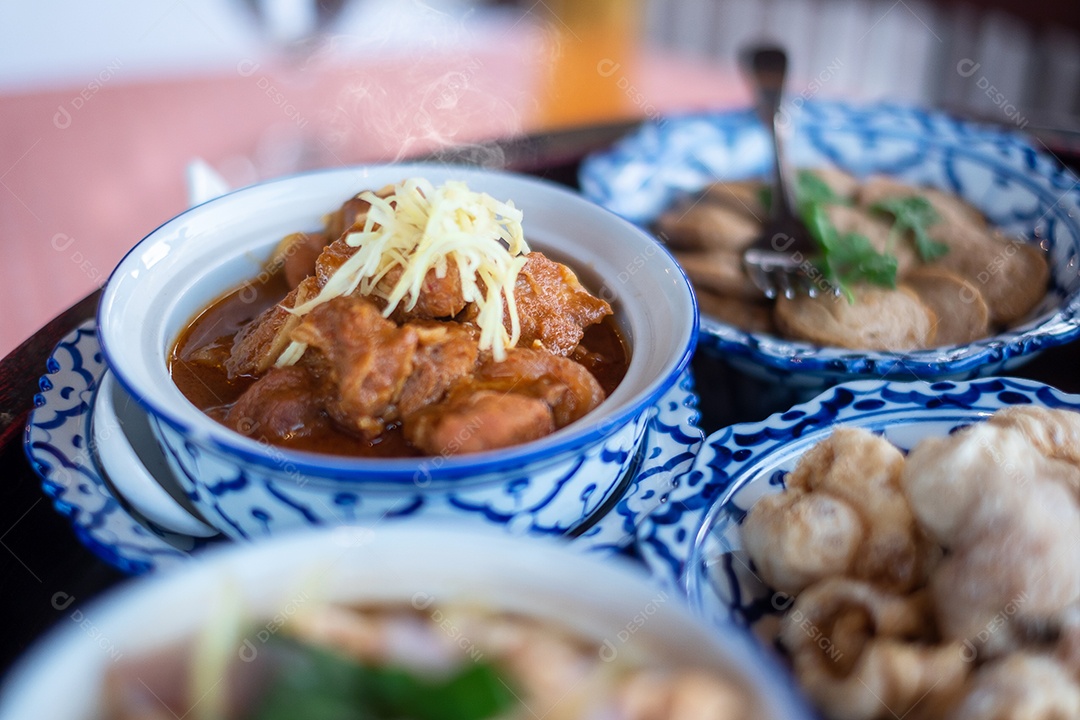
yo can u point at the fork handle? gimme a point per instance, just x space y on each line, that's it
767 67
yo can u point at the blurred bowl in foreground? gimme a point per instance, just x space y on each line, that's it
432 573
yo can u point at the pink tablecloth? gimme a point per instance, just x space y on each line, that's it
87 172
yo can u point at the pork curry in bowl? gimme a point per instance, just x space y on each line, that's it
416 322
426 340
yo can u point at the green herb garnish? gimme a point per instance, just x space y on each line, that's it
843 259
847 258
851 257
316 684
809 188
914 213
812 189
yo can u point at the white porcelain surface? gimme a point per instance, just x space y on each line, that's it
128 455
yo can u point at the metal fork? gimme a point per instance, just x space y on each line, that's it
776 260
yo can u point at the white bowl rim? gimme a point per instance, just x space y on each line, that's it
392 471
123 470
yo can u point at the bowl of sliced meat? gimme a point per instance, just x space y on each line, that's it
943 249
403 340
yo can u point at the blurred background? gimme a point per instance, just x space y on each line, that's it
104 105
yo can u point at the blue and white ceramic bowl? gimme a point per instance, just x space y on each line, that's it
698 546
1021 190
247 489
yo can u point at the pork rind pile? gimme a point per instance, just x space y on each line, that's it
941 585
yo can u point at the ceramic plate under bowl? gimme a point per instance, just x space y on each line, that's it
59 449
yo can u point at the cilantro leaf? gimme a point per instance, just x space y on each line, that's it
809 188
317 684
917 214
311 683
847 258
764 196
854 258
474 693
850 258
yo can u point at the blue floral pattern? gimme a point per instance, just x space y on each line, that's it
1022 191
246 501
59 448
57 444
673 440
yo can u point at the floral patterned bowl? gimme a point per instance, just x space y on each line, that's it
1021 190
695 545
248 489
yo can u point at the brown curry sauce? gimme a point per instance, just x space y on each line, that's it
196 364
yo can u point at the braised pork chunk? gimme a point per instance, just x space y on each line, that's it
553 306
368 359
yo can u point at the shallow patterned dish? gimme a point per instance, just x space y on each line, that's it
1022 191
697 546
57 446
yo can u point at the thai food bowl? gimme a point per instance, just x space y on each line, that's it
1020 190
745 462
247 488
439 599
767 487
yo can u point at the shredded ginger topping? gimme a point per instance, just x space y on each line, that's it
420 227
